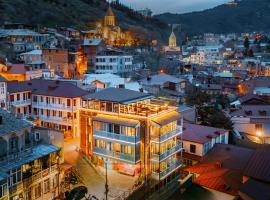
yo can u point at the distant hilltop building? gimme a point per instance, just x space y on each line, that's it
233 3
147 13
111 33
172 44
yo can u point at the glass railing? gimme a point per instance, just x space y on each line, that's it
114 136
167 171
171 151
117 155
168 135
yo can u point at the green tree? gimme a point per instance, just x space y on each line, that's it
196 97
246 43
211 116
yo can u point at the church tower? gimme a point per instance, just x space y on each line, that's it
172 40
109 19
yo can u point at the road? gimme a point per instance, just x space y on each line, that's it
93 178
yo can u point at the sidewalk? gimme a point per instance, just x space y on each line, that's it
94 177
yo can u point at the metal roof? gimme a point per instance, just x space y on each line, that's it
119 95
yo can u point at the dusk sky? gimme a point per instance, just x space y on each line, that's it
174 6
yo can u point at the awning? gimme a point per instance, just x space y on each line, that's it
116 120
167 118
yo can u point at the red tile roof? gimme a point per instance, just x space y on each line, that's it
200 134
47 88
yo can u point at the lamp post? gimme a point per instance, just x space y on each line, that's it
106 183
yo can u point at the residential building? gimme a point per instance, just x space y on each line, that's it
198 140
57 59
33 58
22 40
101 81
114 62
252 118
3 92
90 48
221 170
19 72
132 133
164 83
29 169
55 104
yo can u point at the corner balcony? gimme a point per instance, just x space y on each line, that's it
19 103
167 136
169 152
117 155
56 120
112 136
161 175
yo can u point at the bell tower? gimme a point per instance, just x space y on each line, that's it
109 19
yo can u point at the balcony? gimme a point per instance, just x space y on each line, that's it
160 157
117 155
60 107
160 175
21 103
113 136
15 188
164 137
57 120
34 178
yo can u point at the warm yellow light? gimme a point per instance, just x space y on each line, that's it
259 133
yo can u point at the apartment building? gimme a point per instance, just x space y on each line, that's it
198 140
57 59
28 169
3 92
112 61
132 133
54 104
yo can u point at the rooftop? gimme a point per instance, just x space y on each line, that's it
36 152
160 79
259 165
47 88
2 79
200 134
11 124
118 95
18 32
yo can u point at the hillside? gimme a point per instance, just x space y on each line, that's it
249 15
76 13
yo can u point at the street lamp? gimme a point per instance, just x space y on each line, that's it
106 183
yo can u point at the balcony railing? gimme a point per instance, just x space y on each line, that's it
167 171
113 136
53 106
57 120
21 102
166 136
160 157
117 155
39 175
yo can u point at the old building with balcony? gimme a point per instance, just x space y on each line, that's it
54 104
3 92
29 169
132 133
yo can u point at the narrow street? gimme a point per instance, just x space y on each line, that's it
94 178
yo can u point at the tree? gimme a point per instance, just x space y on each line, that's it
196 97
250 53
268 45
211 116
246 43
